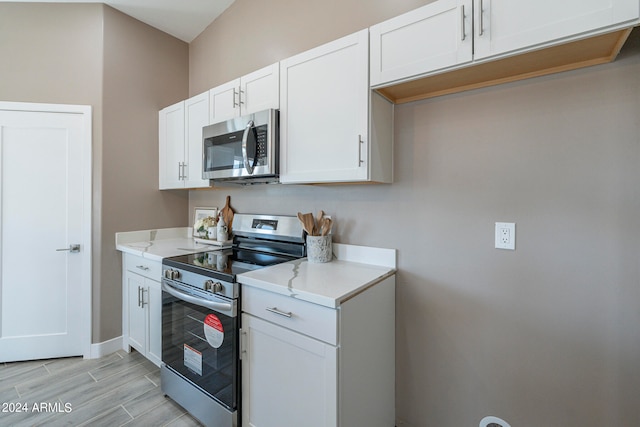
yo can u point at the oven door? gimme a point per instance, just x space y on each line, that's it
200 341
243 147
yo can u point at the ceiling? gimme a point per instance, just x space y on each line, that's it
183 19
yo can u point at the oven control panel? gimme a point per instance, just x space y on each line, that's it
206 283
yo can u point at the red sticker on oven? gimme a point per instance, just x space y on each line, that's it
213 330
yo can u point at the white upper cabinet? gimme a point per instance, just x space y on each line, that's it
505 26
180 143
435 36
223 101
196 110
251 93
171 143
325 116
450 34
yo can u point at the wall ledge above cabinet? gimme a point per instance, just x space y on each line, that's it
595 50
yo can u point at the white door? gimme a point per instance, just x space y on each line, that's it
45 208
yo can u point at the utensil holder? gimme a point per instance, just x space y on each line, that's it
319 248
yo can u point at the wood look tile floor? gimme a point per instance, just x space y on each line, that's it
121 389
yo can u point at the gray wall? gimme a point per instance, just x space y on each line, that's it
144 70
542 336
93 55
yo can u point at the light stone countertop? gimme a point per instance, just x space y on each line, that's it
353 269
159 244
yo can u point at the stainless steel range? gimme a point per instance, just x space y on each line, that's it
200 315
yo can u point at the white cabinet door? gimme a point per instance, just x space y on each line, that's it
504 26
260 90
254 92
137 314
171 144
288 379
433 37
153 301
224 104
196 117
324 102
142 307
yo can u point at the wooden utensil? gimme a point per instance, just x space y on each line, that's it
308 223
319 219
326 226
227 214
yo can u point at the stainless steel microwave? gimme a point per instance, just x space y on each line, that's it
244 150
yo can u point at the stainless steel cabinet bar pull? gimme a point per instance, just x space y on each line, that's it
275 310
184 171
142 267
464 32
481 18
240 96
179 171
141 297
360 142
139 288
235 93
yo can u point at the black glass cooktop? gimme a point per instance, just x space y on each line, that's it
226 262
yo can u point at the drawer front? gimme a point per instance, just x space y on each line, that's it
144 267
300 316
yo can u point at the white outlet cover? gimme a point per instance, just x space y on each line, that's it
505 235
492 421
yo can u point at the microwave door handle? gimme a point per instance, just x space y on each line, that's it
245 136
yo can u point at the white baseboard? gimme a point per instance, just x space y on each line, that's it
104 348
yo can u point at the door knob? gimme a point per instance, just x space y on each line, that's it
72 248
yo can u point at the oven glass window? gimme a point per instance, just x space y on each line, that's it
202 345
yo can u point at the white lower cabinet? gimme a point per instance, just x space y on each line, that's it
142 307
304 364
289 378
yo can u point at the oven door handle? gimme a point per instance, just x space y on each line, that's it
213 305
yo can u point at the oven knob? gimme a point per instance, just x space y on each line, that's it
175 274
216 287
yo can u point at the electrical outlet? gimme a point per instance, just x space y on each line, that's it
505 235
